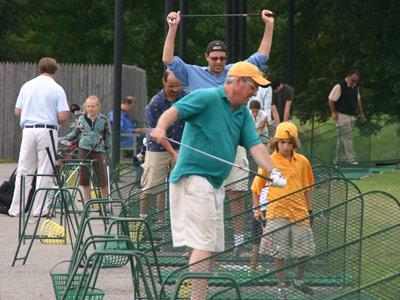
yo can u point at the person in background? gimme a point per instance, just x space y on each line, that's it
160 157
94 143
282 101
345 103
42 105
259 117
128 126
264 97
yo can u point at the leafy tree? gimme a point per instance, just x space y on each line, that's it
330 38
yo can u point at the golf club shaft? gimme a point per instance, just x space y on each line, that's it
82 162
218 158
220 15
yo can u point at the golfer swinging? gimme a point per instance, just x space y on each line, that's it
217 121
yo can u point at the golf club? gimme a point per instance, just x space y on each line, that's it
173 21
218 158
83 161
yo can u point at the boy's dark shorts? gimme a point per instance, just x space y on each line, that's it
257 230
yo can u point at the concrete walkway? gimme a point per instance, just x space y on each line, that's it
32 280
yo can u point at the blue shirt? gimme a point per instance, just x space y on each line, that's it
158 104
40 100
127 126
212 127
196 77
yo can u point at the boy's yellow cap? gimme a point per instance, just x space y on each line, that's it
286 130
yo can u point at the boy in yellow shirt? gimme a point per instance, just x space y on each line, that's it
296 240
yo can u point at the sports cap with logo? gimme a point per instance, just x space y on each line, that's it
286 130
216 46
246 69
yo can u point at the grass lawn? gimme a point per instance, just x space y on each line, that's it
387 182
6 160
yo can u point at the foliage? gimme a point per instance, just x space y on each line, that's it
330 38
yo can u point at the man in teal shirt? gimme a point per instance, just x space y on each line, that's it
216 125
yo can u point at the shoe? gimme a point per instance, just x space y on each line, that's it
299 285
283 292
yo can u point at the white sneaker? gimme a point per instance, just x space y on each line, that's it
283 292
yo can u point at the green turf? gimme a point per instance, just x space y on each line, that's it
387 182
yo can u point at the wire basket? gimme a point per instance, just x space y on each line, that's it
72 179
51 232
60 281
114 261
185 289
136 231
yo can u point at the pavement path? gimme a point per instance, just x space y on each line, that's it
32 280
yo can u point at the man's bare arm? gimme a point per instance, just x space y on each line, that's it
262 157
266 42
275 115
173 20
286 113
164 122
63 116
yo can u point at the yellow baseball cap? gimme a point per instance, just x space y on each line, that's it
246 69
286 130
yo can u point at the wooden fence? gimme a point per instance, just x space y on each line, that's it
79 81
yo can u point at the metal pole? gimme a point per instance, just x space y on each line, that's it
182 31
235 32
242 30
116 126
167 9
290 42
228 29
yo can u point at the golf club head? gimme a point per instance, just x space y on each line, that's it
65 142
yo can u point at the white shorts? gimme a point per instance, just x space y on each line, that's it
197 218
238 179
295 240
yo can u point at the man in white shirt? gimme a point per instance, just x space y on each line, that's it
42 106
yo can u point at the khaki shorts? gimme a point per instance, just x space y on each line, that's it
238 179
197 218
295 240
155 168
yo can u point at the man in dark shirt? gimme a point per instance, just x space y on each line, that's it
160 158
344 103
282 99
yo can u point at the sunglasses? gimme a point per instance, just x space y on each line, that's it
215 58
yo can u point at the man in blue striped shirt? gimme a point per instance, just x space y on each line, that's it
160 157
214 74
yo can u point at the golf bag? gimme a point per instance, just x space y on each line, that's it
7 192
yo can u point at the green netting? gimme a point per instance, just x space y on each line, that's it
374 143
356 252
344 251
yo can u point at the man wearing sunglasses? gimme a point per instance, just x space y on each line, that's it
214 74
